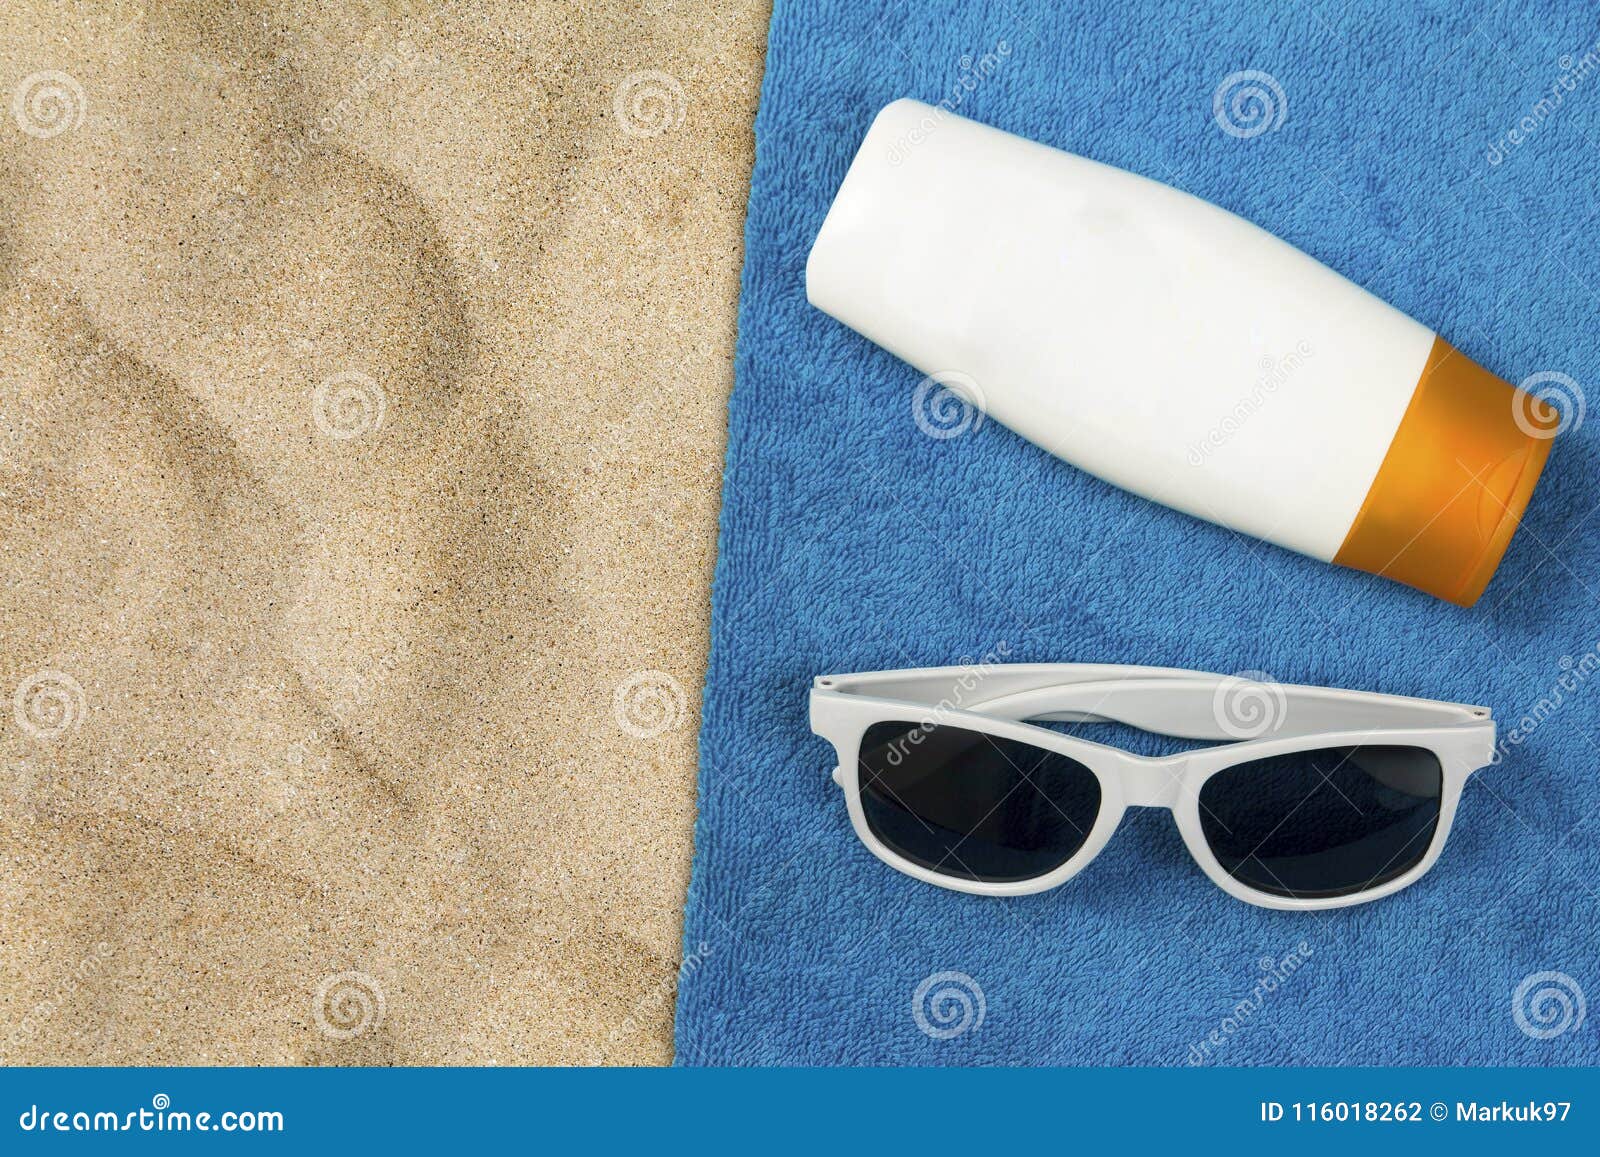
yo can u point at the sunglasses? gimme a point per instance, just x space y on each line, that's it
1319 799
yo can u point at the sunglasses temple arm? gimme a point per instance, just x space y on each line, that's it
1226 709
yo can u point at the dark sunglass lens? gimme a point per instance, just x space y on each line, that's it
966 804
1318 824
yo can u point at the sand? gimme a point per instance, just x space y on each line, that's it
362 407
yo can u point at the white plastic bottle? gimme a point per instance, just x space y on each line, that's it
1177 351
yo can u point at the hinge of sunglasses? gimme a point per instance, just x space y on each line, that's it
838 775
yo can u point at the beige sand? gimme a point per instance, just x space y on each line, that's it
362 385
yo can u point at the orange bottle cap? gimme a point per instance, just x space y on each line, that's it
1455 481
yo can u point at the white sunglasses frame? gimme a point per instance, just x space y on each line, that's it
997 699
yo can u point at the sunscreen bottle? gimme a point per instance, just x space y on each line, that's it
1178 351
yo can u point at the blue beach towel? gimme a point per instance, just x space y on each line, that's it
1443 156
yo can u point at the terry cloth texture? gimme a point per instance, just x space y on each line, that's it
1436 154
